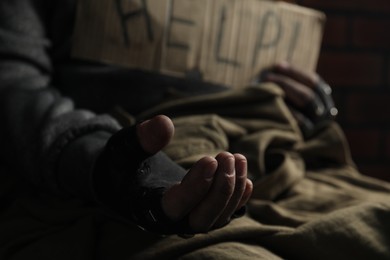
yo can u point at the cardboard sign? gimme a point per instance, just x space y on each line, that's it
224 41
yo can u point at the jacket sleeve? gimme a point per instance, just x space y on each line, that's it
43 136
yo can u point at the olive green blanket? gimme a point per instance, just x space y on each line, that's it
309 199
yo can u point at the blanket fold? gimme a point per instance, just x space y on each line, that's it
309 199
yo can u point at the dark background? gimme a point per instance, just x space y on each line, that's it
355 60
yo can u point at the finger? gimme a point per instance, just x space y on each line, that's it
203 217
302 119
296 93
240 184
180 199
247 194
154 134
305 78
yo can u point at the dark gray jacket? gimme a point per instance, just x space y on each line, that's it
43 135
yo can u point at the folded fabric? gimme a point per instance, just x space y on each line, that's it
309 199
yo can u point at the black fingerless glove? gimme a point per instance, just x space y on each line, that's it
131 182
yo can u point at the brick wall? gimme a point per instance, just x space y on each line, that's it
355 60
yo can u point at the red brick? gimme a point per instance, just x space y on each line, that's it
373 33
367 108
351 69
335 31
364 143
350 5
